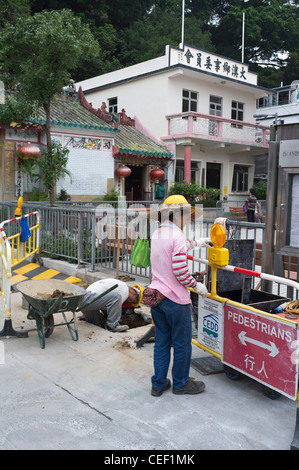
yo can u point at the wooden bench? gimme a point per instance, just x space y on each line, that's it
290 266
237 213
290 269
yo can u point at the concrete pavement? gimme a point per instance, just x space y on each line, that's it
94 393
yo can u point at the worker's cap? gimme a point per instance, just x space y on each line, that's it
139 291
177 201
174 202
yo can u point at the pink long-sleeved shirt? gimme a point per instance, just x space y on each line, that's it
170 272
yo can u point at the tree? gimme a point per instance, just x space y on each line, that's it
147 38
131 31
50 170
270 29
11 10
36 56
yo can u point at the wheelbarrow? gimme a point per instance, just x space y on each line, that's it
42 307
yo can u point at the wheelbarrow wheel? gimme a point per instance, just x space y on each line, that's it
49 325
270 393
231 373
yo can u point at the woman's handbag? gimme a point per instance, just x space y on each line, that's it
152 297
141 253
245 207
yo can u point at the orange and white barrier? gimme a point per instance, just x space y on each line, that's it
21 251
248 272
5 257
13 252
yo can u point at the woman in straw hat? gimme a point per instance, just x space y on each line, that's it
172 315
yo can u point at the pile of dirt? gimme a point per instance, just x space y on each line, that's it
121 345
55 294
82 284
134 320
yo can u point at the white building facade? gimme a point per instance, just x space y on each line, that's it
282 106
201 105
90 158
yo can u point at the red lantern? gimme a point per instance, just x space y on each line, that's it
157 174
123 172
28 152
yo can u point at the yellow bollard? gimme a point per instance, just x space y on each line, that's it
18 211
217 255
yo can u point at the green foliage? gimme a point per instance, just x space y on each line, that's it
291 72
270 29
38 195
260 189
63 246
36 56
64 196
52 165
11 10
194 192
147 37
38 51
131 31
189 191
112 196
15 109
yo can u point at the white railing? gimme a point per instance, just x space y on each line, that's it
218 128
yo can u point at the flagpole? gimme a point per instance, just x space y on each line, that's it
243 35
183 21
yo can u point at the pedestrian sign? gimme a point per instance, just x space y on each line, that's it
262 347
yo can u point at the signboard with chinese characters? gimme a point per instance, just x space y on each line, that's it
211 63
210 324
262 347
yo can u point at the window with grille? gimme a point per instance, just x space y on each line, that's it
189 102
195 171
240 178
215 110
112 105
237 113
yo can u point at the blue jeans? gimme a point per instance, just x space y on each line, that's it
172 328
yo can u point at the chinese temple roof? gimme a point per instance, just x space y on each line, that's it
70 113
131 141
75 112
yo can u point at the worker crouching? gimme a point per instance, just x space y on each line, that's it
110 304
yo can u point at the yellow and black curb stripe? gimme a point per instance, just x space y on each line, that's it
32 271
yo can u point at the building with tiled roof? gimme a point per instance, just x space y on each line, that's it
201 105
98 142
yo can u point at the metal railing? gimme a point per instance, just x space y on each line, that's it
86 235
223 207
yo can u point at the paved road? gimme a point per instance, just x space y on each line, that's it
95 394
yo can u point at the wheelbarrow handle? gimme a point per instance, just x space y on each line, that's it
98 297
55 306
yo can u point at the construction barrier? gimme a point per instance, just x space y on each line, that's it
5 255
23 250
264 345
12 252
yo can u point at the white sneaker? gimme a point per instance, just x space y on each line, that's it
118 328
